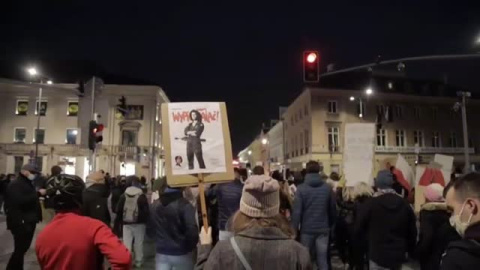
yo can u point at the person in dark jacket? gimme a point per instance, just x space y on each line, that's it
134 212
95 198
463 200
314 212
228 199
390 223
3 188
435 230
344 224
174 228
117 191
263 236
362 193
23 213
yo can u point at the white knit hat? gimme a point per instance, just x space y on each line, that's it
260 197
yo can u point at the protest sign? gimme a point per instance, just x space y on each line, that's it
359 152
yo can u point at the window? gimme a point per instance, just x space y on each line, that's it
291 121
300 139
286 149
292 147
453 139
434 113
296 146
398 112
300 113
72 109
418 138
416 112
306 141
333 139
39 136
436 140
22 107
72 136
129 137
43 108
332 106
306 110
381 110
18 164
400 138
381 137
20 134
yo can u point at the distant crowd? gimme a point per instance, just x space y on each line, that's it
291 220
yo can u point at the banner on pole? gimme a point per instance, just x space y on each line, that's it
196 140
358 153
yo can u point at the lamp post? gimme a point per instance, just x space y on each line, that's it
32 71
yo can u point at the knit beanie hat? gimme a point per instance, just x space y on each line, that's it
434 193
260 197
384 179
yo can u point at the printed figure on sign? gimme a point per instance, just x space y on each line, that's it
193 132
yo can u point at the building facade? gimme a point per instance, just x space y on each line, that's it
131 144
417 127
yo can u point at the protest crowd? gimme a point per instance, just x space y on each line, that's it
259 220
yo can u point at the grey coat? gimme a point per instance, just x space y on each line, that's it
263 248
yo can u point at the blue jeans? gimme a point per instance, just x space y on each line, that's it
169 262
318 247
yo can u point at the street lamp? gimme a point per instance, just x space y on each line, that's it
264 141
249 152
32 71
368 91
49 82
352 98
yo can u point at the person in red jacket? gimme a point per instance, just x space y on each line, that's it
72 241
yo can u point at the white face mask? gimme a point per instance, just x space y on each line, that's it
458 224
31 177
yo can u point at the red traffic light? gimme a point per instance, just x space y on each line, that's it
311 57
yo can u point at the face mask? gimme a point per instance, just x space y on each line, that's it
458 224
32 177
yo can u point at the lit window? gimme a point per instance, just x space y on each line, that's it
43 108
333 138
72 136
436 140
72 109
381 137
418 138
22 107
39 136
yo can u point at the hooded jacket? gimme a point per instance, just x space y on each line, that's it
435 235
464 254
172 224
391 228
142 203
314 208
95 202
21 204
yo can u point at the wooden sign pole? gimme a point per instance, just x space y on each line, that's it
203 204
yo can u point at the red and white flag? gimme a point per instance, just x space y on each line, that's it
404 173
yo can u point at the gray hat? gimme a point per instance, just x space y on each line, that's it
31 168
384 179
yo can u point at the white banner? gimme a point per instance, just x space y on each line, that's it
358 153
196 138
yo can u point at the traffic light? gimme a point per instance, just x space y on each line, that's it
311 72
93 134
122 106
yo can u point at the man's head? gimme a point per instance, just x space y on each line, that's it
56 170
66 192
384 180
313 167
133 180
258 170
463 199
29 171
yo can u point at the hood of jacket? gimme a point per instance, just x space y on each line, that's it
133 191
434 206
390 200
314 180
265 233
170 196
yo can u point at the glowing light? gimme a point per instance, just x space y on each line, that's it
32 71
312 57
352 98
369 91
49 82
264 141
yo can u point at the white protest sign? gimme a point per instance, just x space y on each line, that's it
358 153
447 165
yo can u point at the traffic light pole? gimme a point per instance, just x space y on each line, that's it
93 156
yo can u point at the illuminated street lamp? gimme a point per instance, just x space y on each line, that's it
352 98
369 91
32 71
249 152
264 141
49 82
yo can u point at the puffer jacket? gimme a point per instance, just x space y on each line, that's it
95 203
262 247
435 235
172 224
314 207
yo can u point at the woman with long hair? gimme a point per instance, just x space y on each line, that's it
263 238
193 132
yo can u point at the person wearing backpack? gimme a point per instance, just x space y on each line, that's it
133 210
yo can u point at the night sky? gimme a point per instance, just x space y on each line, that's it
246 54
